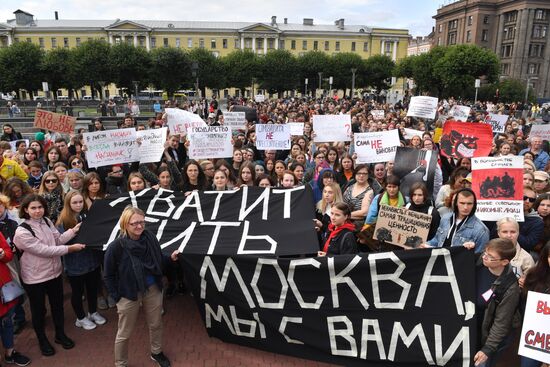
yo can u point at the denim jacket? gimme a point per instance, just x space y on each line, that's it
472 230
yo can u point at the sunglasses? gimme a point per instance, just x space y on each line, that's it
74 163
531 200
50 181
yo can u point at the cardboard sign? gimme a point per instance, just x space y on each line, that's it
401 226
460 113
234 120
378 114
111 147
466 139
534 341
259 98
409 133
272 136
541 131
423 107
210 142
181 121
296 128
379 146
331 128
498 185
151 145
498 122
54 121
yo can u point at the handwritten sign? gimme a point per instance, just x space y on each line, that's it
272 136
234 120
377 146
460 113
296 128
534 341
409 133
111 147
259 98
498 122
180 121
541 131
54 121
329 128
401 226
210 142
378 114
152 144
423 107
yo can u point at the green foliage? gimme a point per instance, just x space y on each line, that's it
405 67
91 63
129 64
20 67
309 65
210 73
278 71
58 69
170 69
240 67
340 69
378 72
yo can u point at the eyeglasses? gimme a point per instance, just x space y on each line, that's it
74 163
53 180
531 200
137 224
489 257
319 157
361 174
116 172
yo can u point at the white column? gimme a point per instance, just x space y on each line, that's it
254 44
147 41
265 45
242 42
276 43
382 48
10 39
394 56
135 40
110 38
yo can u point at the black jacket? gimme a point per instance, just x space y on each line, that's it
343 243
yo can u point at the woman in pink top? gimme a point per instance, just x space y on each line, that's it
42 247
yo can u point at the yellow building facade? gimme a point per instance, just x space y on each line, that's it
220 38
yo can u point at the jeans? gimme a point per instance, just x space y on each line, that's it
19 312
90 281
6 329
528 362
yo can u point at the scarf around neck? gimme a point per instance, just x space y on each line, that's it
335 231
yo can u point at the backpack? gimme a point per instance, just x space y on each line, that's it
29 228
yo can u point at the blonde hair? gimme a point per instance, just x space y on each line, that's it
125 217
322 204
501 221
4 200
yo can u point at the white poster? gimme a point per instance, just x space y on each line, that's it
234 120
498 122
13 144
272 136
542 131
331 128
460 113
111 147
151 144
423 107
534 341
409 133
259 98
180 121
210 142
296 128
378 114
377 146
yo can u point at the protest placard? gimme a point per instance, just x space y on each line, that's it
498 122
498 185
378 114
234 120
296 128
108 147
272 136
409 133
210 142
423 107
415 165
541 131
466 139
54 121
379 146
151 144
401 226
259 98
330 128
460 113
437 134
534 341
14 143
181 121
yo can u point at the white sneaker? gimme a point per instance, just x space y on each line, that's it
97 318
85 323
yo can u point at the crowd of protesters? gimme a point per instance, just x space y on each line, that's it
48 189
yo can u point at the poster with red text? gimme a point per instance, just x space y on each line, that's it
534 341
466 139
498 185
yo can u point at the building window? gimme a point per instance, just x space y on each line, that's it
536 50
365 46
439 41
327 45
470 19
315 45
201 42
141 41
293 45
189 43
451 39
337 46
213 43
282 44
29 40
505 69
539 31
224 43
237 43
271 43
153 42
165 42
66 42
54 42
453 24
540 14
353 46
485 35
178 43
77 41
486 19
440 28
533 68
511 16
248 43
304 45
41 42
468 36
507 50
509 32
259 43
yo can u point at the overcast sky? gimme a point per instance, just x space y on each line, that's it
416 16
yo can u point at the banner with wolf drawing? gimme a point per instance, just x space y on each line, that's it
466 139
498 185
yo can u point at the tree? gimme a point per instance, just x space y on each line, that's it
129 64
240 67
20 67
405 67
425 79
170 69
59 70
277 70
340 69
91 62
310 65
378 70
210 72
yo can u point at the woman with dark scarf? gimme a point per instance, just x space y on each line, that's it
10 134
341 239
420 202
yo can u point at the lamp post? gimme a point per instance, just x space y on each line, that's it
353 71
136 83
195 73
320 80
330 79
305 91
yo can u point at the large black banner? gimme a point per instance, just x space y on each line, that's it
245 221
406 308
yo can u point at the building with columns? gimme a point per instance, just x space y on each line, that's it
517 31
